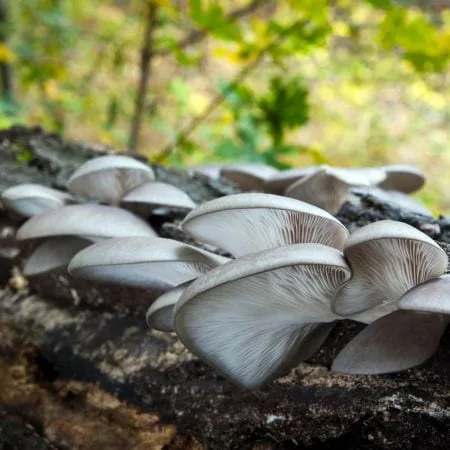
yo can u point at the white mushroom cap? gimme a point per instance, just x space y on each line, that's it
328 187
160 314
210 170
91 221
387 259
32 199
432 296
403 178
279 182
143 262
259 315
397 341
249 177
109 178
53 254
150 196
245 223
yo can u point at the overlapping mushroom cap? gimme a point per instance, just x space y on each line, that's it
246 223
249 177
328 187
153 195
403 178
109 178
279 182
387 259
259 315
30 200
143 262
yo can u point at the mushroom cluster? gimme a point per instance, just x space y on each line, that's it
324 186
294 271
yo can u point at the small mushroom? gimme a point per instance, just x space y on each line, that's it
88 221
152 196
245 223
257 316
54 254
210 170
397 341
387 258
143 262
279 182
402 178
329 187
29 200
432 296
159 315
109 178
249 177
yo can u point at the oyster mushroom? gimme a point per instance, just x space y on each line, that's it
248 177
88 221
256 317
143 262
245 223
388 259
402 178
109 178
328 187
155 195
29 200
394 342
279 182
160 314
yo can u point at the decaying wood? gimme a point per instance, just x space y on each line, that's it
93 375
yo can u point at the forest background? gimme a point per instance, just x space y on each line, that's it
288 82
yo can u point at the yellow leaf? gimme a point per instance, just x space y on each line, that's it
6 54
52 90
198 103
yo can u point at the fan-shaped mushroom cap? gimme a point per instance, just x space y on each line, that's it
387 259
109 178
261 314
279 182
159 315
210 170
143 262
432 296
153 195
249 177
32 199
397 341
245 223
403 178
54 253
328 187
91 221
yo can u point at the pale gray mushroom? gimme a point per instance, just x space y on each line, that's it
153 196
143 262
328 187
29 200
88 221
109 178
397 341
256 317
245 223
388 259
54 254
403 178
160 314
210 170
247 176
279 182
432 296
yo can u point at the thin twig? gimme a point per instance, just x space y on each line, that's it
198 35
146 62
220 98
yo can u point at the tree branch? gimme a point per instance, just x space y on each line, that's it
220 98
147 54
198 35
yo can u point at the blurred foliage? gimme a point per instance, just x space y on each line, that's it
288 82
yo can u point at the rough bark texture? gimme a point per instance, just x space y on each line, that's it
80 370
